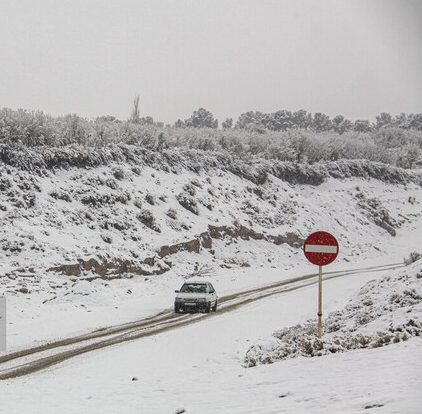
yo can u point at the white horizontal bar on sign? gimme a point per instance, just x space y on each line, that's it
320 248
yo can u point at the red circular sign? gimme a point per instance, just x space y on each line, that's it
321 248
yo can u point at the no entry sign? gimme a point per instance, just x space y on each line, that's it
321 248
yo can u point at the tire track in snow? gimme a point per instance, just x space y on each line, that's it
30 360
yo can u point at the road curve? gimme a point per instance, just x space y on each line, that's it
30 360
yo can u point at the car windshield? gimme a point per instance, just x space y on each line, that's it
194 288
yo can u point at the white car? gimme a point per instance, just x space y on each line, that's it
196 296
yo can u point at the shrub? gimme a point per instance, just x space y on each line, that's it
97 199
413 257
118 173
150 199
172 213
188 202
146 217
138 203
111 183
352 327
189 189
61 195
106 238
5 184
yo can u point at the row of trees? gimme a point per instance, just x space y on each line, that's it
284 120
391 145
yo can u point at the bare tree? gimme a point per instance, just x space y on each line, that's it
135 115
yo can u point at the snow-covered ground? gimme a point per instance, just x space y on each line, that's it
384 311
64 217
60 228
199 368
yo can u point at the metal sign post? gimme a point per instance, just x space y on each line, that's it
320 303
320 248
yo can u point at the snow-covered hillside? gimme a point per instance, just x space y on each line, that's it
84 231
89 240
123 213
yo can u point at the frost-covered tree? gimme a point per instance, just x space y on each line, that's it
179 124
148 120
301 144
408 121
341 125
228 123
30 128
202 119
76 130
106 118
301 119
415 121
407 156
384 119
161 142
261 134
281 121
321 122
251 119
402 121
362 125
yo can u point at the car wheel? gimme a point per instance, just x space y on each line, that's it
214 308
177 309
208 307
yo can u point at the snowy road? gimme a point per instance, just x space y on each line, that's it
30 360
198 367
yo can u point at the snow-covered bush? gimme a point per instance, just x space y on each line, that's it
407 156
61 195
111 183
146 217
377 213
188 202
189 189
288 139
136 170
206 202
172 213
150 199
118 173
119 225
413 257
196 183
96 199
137 202
256 170
5 184
382 312
107 238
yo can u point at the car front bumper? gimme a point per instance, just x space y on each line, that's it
190 306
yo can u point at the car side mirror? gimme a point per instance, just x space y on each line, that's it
176 291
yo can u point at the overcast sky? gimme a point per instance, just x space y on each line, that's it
91 57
